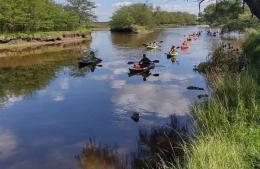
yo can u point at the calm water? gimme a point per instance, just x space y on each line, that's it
49 109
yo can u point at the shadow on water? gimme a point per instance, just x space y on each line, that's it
82 71
145 75
132 40
155 147
24 75
94 156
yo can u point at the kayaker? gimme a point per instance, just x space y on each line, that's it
184 43
145 61
91 55
155 43
173 49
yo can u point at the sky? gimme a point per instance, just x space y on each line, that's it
105 8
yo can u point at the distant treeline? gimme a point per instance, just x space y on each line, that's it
128 17
43 15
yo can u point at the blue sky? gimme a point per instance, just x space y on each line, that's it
105 8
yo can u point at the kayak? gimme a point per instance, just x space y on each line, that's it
151 47
143 69
87 61
172 54
184 47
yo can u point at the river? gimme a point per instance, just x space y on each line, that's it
49 108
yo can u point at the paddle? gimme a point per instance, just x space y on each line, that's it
156 61
131 62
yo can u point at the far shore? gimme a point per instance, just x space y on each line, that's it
22 42
19 42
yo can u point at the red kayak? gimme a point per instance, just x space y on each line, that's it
184 47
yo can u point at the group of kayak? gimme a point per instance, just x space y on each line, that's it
145 64
184 46
152 45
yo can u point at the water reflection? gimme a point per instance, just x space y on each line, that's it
19 81
162 100
144 75
94 156
161 145
132 40
8 143
56 106
156 146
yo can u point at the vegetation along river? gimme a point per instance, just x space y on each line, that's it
50 109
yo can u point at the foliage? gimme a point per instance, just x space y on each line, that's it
231 15
222 12
84 10
228 130
252 49
129 17
36 15
122 21
177 18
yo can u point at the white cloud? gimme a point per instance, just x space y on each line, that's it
123 3
10 99
64 84
8 143
117 84
168 77
119 71
57 97
188 7
151 98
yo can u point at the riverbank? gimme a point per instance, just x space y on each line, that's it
227 125
24 41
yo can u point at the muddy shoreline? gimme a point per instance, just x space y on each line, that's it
18 44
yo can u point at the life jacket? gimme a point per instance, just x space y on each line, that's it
137 67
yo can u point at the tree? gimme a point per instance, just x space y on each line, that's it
36 15
254 6
222 12
84 10
141 15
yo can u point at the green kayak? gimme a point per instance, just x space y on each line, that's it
151 47
173 54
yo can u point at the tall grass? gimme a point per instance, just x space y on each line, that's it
228 125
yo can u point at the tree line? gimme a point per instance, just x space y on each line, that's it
231 15
44 15
127 18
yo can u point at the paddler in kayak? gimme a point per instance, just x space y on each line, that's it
184 45
91 55
145 61
173 49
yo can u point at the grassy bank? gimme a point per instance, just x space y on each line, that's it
227 125
99 26
23 41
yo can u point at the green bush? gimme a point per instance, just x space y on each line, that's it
139 15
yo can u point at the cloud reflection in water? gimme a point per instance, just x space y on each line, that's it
151 98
